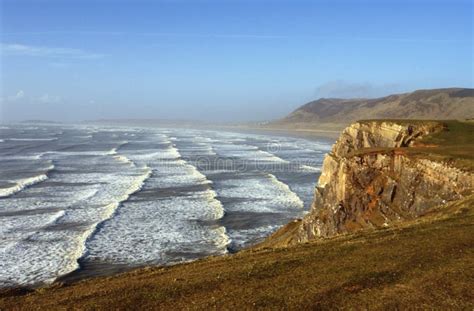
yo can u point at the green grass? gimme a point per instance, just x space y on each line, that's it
454 145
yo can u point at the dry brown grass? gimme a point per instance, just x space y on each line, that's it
433 104
425 264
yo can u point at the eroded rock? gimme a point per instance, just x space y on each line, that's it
368 181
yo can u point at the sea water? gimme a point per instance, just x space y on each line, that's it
72 196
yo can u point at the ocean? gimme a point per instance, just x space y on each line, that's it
84 199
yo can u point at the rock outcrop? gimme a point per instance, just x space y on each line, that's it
369 180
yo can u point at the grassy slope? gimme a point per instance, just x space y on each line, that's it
426 264
453 145
327 113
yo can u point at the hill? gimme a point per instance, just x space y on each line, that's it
335 113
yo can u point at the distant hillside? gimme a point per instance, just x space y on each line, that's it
452 103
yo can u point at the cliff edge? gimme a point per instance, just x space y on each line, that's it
384 172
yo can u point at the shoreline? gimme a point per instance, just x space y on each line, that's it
285 278
414 262
106 270
92 270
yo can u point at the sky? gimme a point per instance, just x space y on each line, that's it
227 61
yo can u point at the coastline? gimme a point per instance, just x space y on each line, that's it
92 270
374 266
416 262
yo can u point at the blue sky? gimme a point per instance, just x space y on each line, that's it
222 60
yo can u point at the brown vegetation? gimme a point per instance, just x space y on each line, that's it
335 113
426 264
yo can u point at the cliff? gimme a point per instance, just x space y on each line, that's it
382 172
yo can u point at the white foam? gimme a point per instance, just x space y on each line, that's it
76 153
135 186
196 145
17 228
247 152
304 154
165 226
261 194
21 157
22 184
267 156
53 255
152 154
94 200
168 225
172 170
113 151
210 196
124 159
296 201
246 237
311 168
94 187
33 139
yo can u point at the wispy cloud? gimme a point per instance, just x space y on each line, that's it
43 51
152 34
242 36
19 95
49 99
215 35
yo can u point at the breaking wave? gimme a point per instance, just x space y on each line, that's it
21 184
286 189
33 139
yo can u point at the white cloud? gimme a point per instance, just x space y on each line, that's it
49 99
19 95
42 51
244 36
21 98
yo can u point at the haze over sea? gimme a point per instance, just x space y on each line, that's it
99 198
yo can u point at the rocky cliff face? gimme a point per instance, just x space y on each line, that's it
368 180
